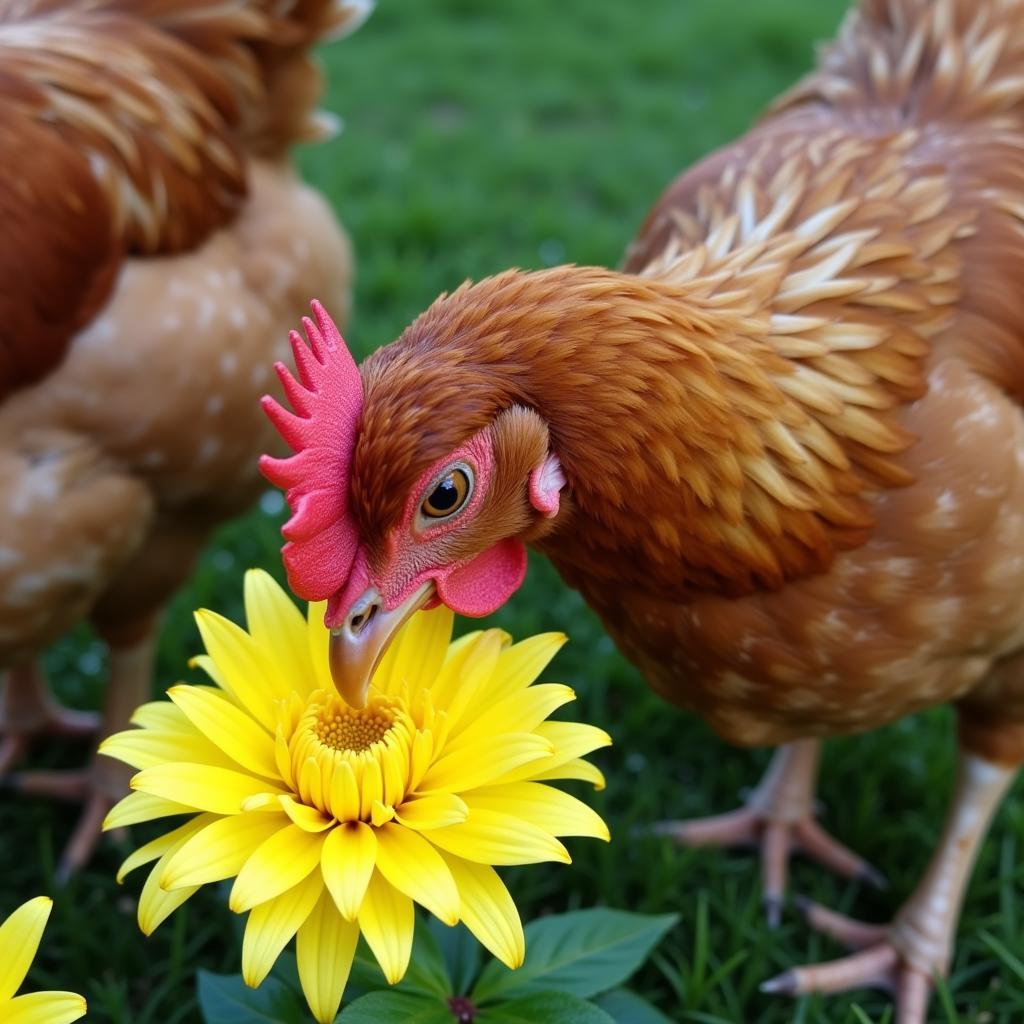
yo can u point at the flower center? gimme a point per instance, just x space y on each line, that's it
346 729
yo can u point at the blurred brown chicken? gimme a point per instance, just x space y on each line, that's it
781 454
155 246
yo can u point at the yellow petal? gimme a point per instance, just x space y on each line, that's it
570 740
436 811
518 666
201 787
415 655
138 807
483 760
347 860
487 910
272 924
344 795
386 920
317 642
162 716
209 666
307 818
415 867
462 681
490 837
20 935
279 629
241 665
228 727
521 711
144 748
157 848
219 850
578 769
45 1008
325 947
544 806
278 864
155 903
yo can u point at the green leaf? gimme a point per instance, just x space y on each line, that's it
546 1007
226 999
461 954
385 1007
626 1007
584 952
427 972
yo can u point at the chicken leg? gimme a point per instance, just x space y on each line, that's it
906 955
28 710
104 781
779 816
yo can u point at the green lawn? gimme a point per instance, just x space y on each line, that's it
482 134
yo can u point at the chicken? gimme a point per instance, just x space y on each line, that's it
156 242
781 453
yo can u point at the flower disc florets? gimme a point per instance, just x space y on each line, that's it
333 820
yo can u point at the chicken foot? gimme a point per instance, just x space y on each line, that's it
779 817
104 781
28 710
905 956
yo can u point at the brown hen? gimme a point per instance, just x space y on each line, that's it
781 453
156 244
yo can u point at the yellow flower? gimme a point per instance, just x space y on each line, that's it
19 940
333 820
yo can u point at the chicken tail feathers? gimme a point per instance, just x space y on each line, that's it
922 61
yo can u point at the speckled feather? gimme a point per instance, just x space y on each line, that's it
792 426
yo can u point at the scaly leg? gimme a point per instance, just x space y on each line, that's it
105 781
27 710
779 816
905 956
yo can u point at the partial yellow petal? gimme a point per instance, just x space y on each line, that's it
415 655
45 1008
157 848
228 727
490 837
317 636
415 867
209 666
278 864
484 760
20 935
162 716
521 711
307 818
518 666
241 665
578 769
471 659
325 947
200 786
569 740
347 860
386 920
544 806
279 630
344 795
272 924
219 850
139 807
435 811
144 748
155 903
487 910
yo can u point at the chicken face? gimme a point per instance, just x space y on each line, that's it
458 538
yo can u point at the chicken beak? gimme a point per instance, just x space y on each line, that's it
357 646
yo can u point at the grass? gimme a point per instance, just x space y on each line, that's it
480 136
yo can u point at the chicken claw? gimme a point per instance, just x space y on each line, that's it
779 818
27 710
904 957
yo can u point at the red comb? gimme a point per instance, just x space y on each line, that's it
327 400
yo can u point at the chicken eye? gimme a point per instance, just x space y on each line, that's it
449 495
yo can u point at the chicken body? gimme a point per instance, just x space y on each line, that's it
781 453
158 247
